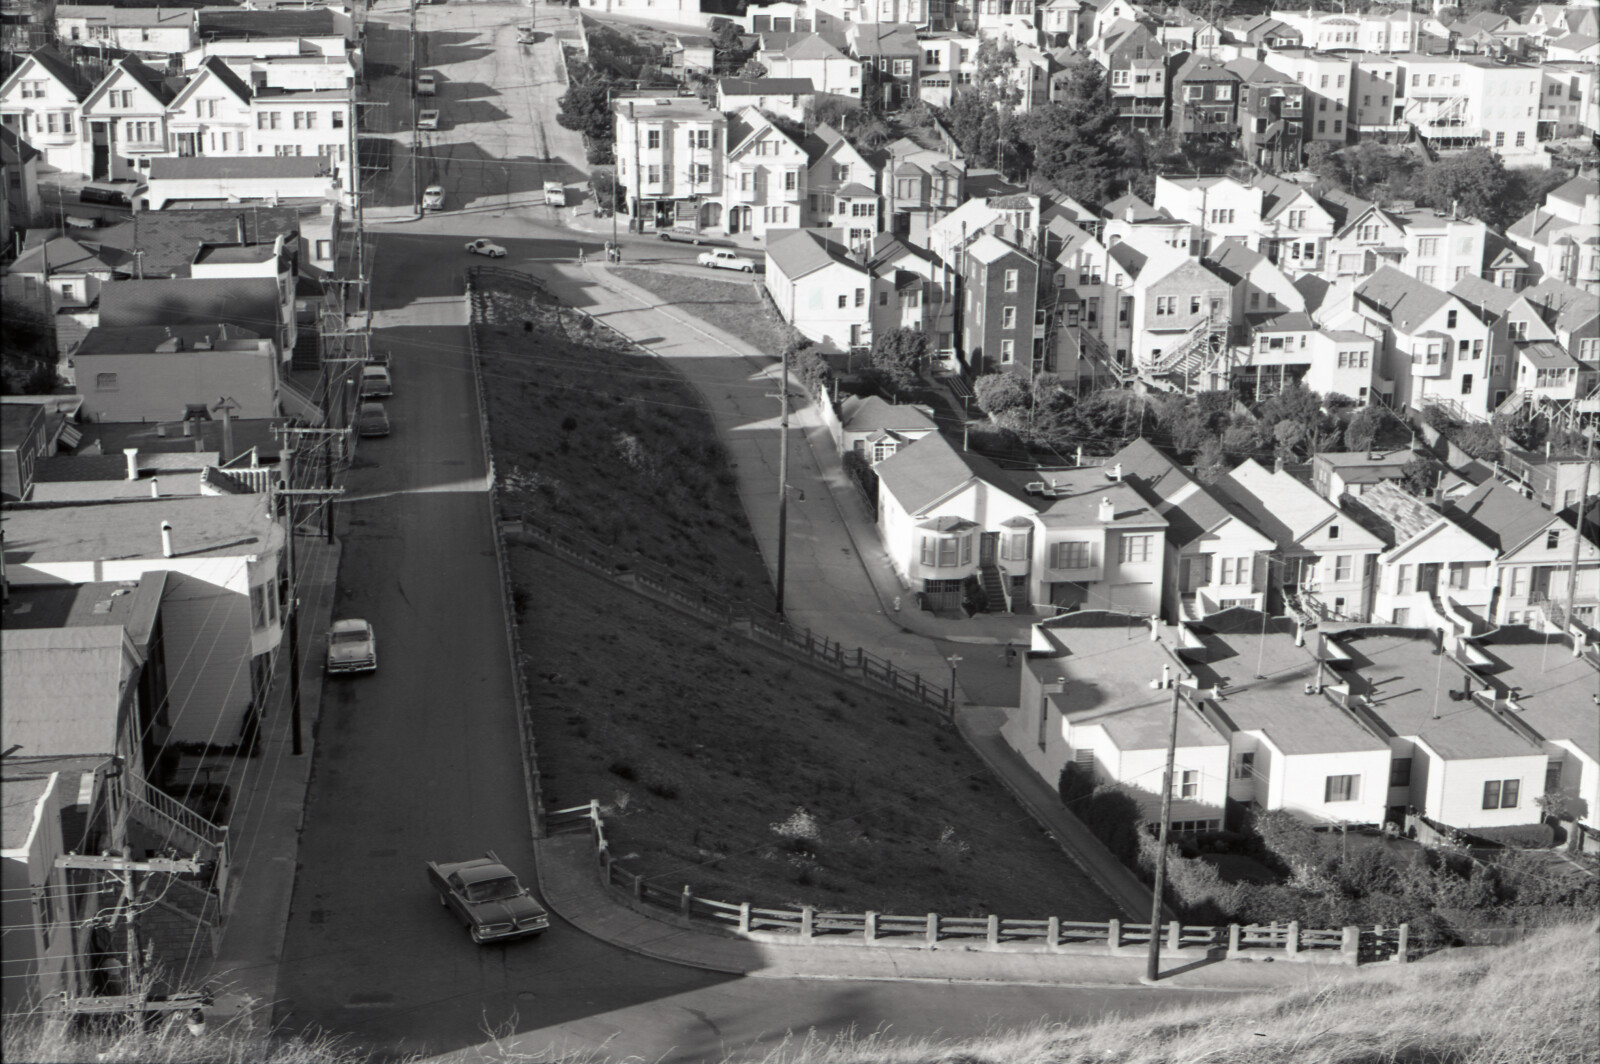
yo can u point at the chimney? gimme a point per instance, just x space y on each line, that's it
133 462
166 539
1166 677
1116 472
1155 628
155 487
1108 512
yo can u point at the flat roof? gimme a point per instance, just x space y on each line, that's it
1557 689
202 527
1263 676
130 603
1404 682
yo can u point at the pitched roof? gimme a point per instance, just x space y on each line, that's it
1572 307
168 238
148 78
931 468
1392 514
864 413
63 253
813 47
1500 516
14 150
1282 506
1190 509
886 39
59 68
1408 301
248 302
64 688
218 68
1232 260
764 86
798 252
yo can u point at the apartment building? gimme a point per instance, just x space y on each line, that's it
1205 99
1272 115
1004 319
1470 101
1534 553
1329 85
1433 246
1136 75
146 31
670 153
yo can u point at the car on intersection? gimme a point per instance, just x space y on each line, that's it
488 898
485 246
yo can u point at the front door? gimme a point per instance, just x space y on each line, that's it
1428 577
736 219
101 135
187 145
988 546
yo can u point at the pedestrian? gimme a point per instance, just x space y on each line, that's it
580 255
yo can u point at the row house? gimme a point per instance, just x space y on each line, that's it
1014 217
1216 558
764 178
1272 114
1554 334
1432 246
819 288
1180 312
1264 32
1323 565
949 64
835 17
782 97
1136 76
1330 362
1062 22
829 70
57 282
1102 20
670 153
956 527
923 187
1181 31
1260 291
1553 21
1432 566
1560 237
842 186
921 295
1329 84
1564 92
20 201
155 32
1282 220
1438 349
890 54
1335 474
1533 557
1205 99
1005 317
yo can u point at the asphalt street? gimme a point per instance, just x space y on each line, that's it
419 761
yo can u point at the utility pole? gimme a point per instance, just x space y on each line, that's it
291 612
1152 970
1577 546
783 480
635 218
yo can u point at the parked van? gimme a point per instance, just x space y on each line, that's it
111 197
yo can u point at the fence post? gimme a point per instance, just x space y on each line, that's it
994 930
684 901
861 660
744 918
1402 953
807 923
1053 934
809 651
1114 935
932 934
1350 944
1233 941
869 928
1174 934
638 887
1291 943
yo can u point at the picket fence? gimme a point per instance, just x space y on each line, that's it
809 925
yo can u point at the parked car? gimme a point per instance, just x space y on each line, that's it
725 260
433 198
428 119
488 898
376 382
427 84
685 237
352 647
525 35
372 420
110 197
555 194
485 246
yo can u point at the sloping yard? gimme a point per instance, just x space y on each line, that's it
736 307
720 764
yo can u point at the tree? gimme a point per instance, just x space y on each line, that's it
1073 140
606 190
997 393
983 118
585 107
1479 440
1474 181
1420 476
729 51
1362 431
1324 160
898 356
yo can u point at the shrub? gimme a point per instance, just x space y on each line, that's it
622 770
998 392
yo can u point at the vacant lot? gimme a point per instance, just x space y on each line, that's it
735 307
721 765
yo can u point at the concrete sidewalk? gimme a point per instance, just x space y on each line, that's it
840 582
570 883
265 832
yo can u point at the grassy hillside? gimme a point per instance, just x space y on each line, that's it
1533 1003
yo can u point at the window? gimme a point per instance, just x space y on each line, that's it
1333 531
1011 281
1187 784
1193 92
1222 217
1552 539
1245 767
1008 318
702 173
1428 274
652 174
1501 794
700 138
861 297
1070 555
1450 320
652 138
1120 77
1224 92
1341 568
1499 140
863 210
105 382
268 119
791 178
1135 549
1166 306
1341 789
1400 772
1338 125
1522 138
1008 351
1322 127
1466 384
844 301
902 68
338 119
1014 547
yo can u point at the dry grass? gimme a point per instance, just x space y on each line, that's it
735 307
37 1040
1533 1003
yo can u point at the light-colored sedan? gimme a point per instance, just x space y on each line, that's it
428 119
352 647
433 198
426 84
725 260
485 246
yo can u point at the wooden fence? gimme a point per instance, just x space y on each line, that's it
811 926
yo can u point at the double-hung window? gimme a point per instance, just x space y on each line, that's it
1341 789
